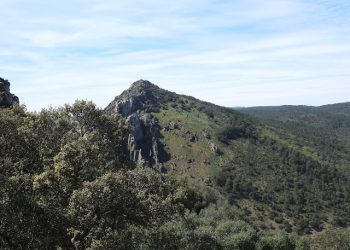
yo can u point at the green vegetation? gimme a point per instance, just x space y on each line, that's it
282 182
232 182
338 239
66 184
325 129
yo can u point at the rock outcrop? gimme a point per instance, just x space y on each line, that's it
6 98
163 134
136 104
214 148
141 96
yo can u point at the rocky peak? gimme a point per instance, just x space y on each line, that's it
6 98
141 86
136 104
141 96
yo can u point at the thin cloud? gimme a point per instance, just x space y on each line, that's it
233 53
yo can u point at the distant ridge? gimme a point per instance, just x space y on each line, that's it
325 127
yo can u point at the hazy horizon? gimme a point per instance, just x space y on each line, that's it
234 54
234 107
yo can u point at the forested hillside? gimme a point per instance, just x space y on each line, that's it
280 182
157 170
66 184
326 128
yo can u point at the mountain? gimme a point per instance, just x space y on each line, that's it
66 183
276 178
157 170
325 128
174 131
6 98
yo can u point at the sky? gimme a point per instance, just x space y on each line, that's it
229 52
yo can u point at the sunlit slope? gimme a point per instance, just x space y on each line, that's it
279 180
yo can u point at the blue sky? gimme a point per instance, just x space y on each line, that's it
232 53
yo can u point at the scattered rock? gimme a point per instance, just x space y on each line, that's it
192 137
173 126
214 148
206 135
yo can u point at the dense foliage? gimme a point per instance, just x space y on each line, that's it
325 128
297 192
65 183
278 179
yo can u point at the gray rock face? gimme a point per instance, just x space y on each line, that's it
135 152
141 96
126 107
135 104
6 98
138 127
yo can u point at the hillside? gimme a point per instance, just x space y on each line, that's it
66 183
326 128
157 170
279 181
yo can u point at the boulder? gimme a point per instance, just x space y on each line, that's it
214 148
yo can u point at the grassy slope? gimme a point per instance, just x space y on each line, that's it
259 171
